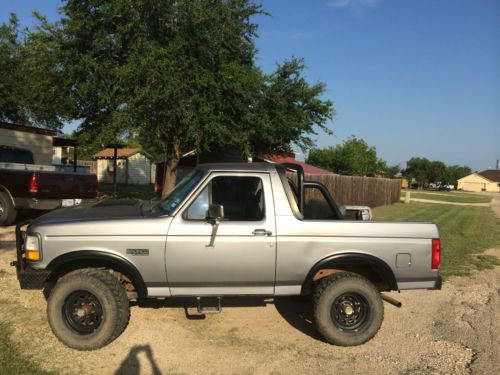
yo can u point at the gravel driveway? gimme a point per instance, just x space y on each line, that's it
453 331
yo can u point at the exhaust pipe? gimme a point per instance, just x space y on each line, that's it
391 300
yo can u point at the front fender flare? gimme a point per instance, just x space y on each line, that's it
99 258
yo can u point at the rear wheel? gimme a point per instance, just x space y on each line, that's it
348 309
87 309
7 211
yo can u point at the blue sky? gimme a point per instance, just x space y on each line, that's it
412 78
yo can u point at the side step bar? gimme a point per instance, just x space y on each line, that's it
209 309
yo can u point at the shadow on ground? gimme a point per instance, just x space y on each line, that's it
297 312
131 365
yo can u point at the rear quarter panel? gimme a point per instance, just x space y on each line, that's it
303 243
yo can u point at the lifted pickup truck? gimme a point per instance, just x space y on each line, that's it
225 230
28 186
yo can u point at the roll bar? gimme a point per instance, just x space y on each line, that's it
300 183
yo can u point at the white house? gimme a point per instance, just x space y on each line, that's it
134 166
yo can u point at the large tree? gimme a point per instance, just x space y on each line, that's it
424 171
353 157
418 169
289 110
31 83
182 74
456 172
11 98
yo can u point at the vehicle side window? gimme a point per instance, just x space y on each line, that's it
242 198
10 154
316 206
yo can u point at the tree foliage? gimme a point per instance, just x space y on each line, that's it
31 81
393 171
289 110
179 75
11 108
353 157
424 171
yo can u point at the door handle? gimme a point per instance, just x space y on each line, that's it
262 232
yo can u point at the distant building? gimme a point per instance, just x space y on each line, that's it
37 140
47 149
133 166
488 180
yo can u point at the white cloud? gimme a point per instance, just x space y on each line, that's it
357 6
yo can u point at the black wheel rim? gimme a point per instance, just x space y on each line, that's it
82 311
350 311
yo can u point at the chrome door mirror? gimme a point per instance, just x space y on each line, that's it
214 214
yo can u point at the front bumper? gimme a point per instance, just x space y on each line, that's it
28 277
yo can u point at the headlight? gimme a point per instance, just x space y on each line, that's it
32 249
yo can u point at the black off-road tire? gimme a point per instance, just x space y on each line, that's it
7 211
348 309
101 292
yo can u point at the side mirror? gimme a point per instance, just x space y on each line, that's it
215 212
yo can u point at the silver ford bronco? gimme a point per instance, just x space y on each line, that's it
225 230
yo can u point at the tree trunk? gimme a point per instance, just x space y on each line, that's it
170 172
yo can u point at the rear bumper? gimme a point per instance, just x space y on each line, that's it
37 204
432 284
439 283
28 277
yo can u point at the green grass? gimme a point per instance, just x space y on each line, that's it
127 191
465 232
458 197
11 360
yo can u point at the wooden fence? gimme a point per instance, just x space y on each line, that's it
356 190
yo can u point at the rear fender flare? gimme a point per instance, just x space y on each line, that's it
378 265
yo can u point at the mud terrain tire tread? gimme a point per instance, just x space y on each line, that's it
113 298
325 294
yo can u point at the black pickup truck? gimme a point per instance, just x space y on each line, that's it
27 186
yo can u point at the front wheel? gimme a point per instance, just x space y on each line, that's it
348 309
87 309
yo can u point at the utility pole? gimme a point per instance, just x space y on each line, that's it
115 146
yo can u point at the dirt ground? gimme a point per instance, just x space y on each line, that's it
452 331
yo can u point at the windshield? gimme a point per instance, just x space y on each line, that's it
180 192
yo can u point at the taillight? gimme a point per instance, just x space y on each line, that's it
34 183
436 253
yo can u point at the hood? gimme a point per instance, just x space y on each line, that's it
106 210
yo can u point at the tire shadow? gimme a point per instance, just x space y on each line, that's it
299 314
